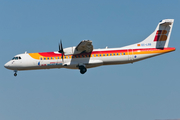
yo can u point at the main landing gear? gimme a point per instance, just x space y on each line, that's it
15 73
82 69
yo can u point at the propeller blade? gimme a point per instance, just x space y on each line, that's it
60 47
61 51
62 58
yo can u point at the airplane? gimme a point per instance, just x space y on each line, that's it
84 56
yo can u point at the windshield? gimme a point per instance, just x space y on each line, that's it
16 58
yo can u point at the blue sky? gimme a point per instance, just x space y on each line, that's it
146 90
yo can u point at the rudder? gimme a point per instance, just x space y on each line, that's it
163 33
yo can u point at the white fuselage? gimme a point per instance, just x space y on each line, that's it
97 58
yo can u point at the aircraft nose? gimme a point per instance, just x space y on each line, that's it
6 65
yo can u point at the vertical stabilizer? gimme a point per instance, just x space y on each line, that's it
159 38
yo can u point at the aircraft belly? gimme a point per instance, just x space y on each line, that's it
88 62
115 59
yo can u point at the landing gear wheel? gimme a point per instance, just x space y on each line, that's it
82 69
15 74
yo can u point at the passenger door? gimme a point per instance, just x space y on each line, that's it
130 52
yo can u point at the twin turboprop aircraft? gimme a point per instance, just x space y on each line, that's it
84 56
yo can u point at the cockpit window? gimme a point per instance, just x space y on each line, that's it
16 58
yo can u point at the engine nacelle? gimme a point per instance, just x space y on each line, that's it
71 51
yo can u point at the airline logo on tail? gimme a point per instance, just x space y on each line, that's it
161 35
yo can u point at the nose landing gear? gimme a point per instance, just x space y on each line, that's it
15 73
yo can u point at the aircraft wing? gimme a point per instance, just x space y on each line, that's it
85 46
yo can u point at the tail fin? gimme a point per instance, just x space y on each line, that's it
163 33
159 38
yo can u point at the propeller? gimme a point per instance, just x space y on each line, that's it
60 47
61 50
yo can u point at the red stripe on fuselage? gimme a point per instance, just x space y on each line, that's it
49 54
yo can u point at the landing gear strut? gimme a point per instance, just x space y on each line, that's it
15 74
82 69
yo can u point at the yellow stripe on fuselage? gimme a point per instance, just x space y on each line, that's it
149 52
35 55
